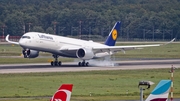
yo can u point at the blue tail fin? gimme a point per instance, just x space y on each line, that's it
160 92
111 39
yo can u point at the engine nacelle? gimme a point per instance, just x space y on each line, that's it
85 53
30 53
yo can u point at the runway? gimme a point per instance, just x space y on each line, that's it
95 65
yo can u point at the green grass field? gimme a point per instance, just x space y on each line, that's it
167 51
103 85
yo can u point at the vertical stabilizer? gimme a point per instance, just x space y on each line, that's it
160 92
111 39
63 93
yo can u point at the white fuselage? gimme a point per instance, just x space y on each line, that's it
56 44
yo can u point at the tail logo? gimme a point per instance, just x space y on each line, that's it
60 95
63 93
114 34
160 92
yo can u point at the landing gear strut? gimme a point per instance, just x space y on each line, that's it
84 63
55 62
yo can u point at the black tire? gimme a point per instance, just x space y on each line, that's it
79 64
59 63
55 63
83 63
52 63
87 63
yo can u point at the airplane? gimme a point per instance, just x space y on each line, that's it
34 42
160 92
63 93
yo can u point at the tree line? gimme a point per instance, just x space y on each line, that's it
143 19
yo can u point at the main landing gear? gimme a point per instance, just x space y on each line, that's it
84 63
55 62
58 63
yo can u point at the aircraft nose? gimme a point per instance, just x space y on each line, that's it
22 42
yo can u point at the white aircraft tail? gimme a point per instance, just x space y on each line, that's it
63 93
160 92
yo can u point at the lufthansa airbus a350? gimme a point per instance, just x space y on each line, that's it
34 42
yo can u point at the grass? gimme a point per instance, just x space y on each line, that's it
166 51
10 50
103 85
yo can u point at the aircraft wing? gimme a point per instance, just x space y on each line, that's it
124 48
97 49
109 49
7 39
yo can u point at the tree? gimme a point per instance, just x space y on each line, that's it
50 30
135 15
38 29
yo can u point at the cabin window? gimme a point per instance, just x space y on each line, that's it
26 37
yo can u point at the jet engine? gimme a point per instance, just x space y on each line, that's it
30 53
85 53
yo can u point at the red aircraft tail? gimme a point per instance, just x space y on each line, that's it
63 93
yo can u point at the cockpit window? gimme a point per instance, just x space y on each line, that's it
27 37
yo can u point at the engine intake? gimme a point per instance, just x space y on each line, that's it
30 53
85 53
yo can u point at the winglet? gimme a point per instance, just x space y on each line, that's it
160 92
63 93
7 39
170 41
111 39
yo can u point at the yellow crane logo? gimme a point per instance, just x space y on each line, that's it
114 34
